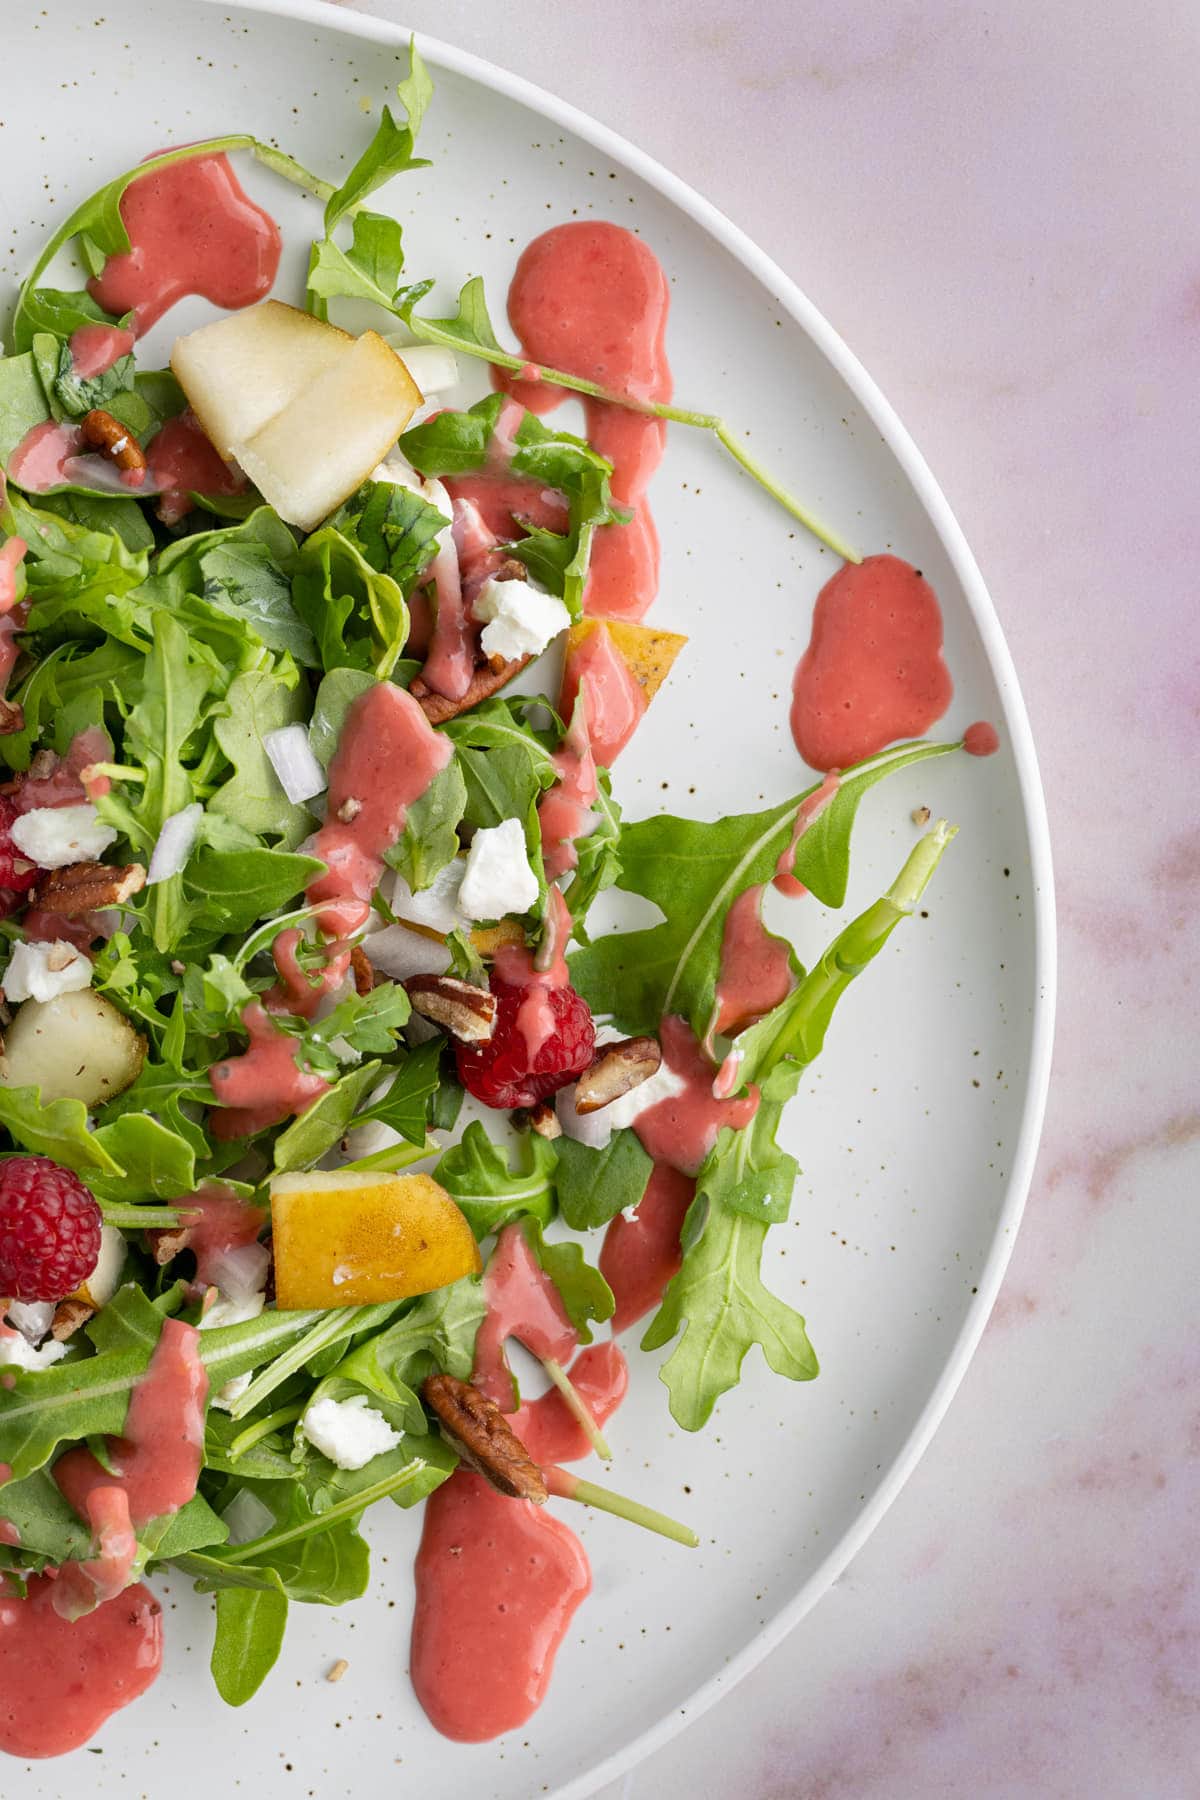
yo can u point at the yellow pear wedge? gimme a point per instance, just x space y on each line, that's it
239 372
353 1239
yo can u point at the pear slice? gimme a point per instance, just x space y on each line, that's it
239 372
312 455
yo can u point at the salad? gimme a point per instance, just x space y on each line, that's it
317 1090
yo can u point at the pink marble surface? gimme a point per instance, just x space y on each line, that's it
996 207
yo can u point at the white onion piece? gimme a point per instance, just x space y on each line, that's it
239 1273
247 1517
432 366
593 1129
400 953
174 846
436 905
300 774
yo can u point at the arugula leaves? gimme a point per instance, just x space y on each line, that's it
595 1185
483 1182
694 871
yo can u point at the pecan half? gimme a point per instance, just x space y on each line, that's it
485 682
69 1315
364 974
467 1012
475 1427
116 441
617 1069
85 887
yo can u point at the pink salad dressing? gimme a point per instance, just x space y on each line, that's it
873 670
300 990
565 810
522 1302
12 553
549 1431
591 298
640 1254
217 1222
498 1582
981 739
180 462
192 230
755 973
614 701
95 348
807 814
67 782
101 1577
387 755
265 1084
682 1129
156 1460
60 1681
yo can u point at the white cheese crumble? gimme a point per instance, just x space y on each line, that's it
32 1318
499 879
436 905
42 971
17 1353
53 836
232 1309
518 619
349 1432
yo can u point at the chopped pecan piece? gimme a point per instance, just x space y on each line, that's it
12 717
465 1011
541 1118
116 441
485 682
475 1427
617 1069
69 1315
85 887
364 974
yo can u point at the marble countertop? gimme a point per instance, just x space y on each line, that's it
995 205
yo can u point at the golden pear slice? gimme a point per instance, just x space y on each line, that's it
239 372
325 442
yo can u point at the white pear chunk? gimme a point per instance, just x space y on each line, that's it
105 1278
239 372
74 1047
312 455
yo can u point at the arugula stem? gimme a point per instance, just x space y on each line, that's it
139 1218
396 1156
341 1509
577 1406
116 771
339 1322
245 1440
567 1486
656 409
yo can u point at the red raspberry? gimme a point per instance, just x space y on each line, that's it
19 879
49 1230
503 1072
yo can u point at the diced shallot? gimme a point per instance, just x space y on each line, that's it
174 846
431 366
300 774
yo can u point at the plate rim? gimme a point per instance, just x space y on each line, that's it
932 500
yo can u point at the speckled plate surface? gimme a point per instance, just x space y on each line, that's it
916 1131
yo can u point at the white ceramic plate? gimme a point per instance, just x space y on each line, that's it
916 1132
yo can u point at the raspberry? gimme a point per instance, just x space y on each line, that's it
49 1230
16 871
503 1072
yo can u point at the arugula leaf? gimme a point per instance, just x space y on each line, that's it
478 1176
594 1185
437 1334
251 1623
694 871
231 889
356 613
325 1121
453 443
470 329
395 529
22 401
582 1289
391 150
71 394
405 1105
368 270
358 1024
598 856
156 1161
335 696
430 837
58 1129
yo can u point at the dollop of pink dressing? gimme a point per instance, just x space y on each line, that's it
387 755
59 1681
51 455
156 1460
522 1302
981 739
265 1084
640 1254
12 553
873 670
591 298
682 1129
95 348
192 230
755 974
549 1431
614 701
807 814
300 990
99 1578
565 810
181 461
498 1582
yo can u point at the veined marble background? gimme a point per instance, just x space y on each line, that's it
996 205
